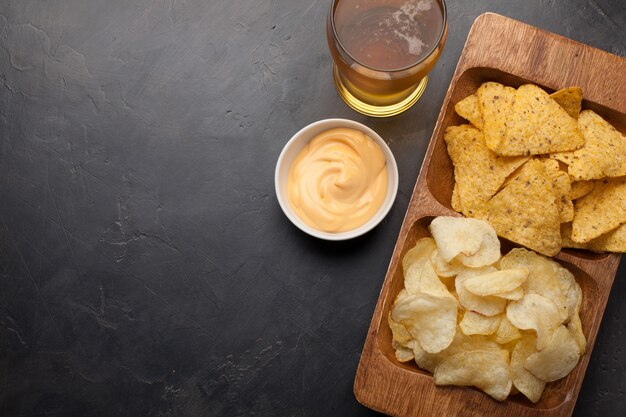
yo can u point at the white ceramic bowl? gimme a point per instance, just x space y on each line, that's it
295 145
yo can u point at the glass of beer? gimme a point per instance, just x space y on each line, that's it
383 51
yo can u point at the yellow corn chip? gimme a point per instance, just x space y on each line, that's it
525 211
495 102
478 171
469 110
604 153
613 241
456 200
570 99
600 211
562 191
581 189
537 125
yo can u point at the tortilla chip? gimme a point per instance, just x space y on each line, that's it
455 199
478 171
570 99
562 191
604 153
469 110
537 125
600 211
525 211
495 102
613 241
581 189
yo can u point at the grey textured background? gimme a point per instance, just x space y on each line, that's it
145 266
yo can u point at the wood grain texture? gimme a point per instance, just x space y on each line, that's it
513 53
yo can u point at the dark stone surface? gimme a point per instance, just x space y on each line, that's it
145 266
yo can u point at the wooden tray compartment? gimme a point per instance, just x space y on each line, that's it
402 389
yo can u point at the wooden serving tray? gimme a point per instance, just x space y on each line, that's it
513 53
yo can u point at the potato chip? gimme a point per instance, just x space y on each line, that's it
506 331
472 242
443 268
476 323
460 343
600 211
613 241
537 125
429 319
580 189
544 278
535 312
469 110
515 294
478 172
527 383
420 253
525 211
484 369
399 333
495 102
421 278
570 99
558 358
403 354
604 153
497 282
488 306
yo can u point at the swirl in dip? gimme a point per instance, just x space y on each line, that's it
338 181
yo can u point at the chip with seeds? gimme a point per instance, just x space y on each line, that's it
581 189
537 125
600 211
613 241
469 110
525 211
478 171
570 99
604 153
495 102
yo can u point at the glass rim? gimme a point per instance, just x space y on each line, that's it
430 52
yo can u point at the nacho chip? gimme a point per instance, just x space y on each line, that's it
455 201
561 185
580 189
600 211
478 171
570 99
525 211
469 110
495 102
537 125
604 153
613 241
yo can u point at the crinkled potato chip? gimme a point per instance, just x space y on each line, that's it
443 268
600 211
469 110
525 211
495 102
535 312
420 253
421 278
558 358
498 282
484 369
476 323
506 331
527 383
570 99
478 171
429 319
543 276
580 189
604 153
537 125
488 306
472 242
